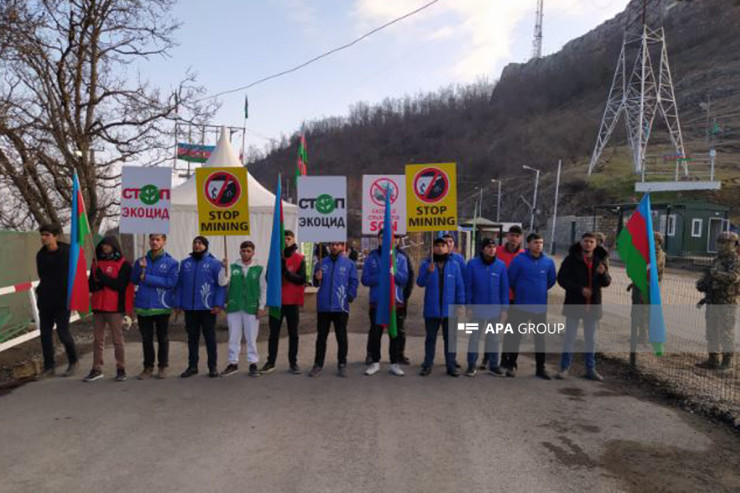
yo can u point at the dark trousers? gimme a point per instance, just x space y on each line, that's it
324 321
48 318
430 343
512 341
148 326
400 319
374 338
197 321
290 314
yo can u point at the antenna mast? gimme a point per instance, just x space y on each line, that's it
537 42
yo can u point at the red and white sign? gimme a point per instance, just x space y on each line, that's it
373 202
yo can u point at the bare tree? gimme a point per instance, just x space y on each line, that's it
71 100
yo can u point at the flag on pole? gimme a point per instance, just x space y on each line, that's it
274 298
78 292
246 107
302 165
385 315
636 246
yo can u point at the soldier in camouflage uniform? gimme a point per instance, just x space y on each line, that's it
721 286
640 313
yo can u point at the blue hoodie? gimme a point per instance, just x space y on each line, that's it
338 288
459 260
197 284
530 278
436 303
371 276
157 290
487 284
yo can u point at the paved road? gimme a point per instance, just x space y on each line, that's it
289 433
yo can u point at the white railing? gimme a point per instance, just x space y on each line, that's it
28 287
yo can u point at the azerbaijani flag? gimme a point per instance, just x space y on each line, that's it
275 261
78 292
385 315
301 168
636 246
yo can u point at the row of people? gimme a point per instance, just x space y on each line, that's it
202 286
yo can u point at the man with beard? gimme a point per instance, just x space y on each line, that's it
336 277
582 274
202 297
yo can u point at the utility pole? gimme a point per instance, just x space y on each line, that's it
534 200
555 209
498 201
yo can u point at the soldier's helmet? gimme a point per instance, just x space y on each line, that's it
726 243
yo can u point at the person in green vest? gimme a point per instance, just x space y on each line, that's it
245 305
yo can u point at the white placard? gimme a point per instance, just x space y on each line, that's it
145 200
373 202
322 208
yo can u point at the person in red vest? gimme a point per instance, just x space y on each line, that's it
112 296
294 281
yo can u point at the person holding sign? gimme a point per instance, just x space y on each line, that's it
371 278
443 280
155 274
245 306
336 277
202 298
294 280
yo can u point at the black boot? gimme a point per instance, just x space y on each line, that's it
726 361
712 363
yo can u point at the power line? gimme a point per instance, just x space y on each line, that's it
323 55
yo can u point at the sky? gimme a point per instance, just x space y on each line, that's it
230 43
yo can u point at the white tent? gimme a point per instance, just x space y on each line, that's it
184 212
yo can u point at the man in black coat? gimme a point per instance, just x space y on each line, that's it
583 273
52 265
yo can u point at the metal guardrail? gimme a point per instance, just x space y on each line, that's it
19 337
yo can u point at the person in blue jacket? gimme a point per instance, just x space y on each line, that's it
457 257
531 275
371 278
202 298
487 284
336 277
444 286
155 275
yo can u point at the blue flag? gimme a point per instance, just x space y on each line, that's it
275 261
656 331
386 298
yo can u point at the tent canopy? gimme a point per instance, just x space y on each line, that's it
184 212
224 156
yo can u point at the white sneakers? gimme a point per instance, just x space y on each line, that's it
375 368
372 369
